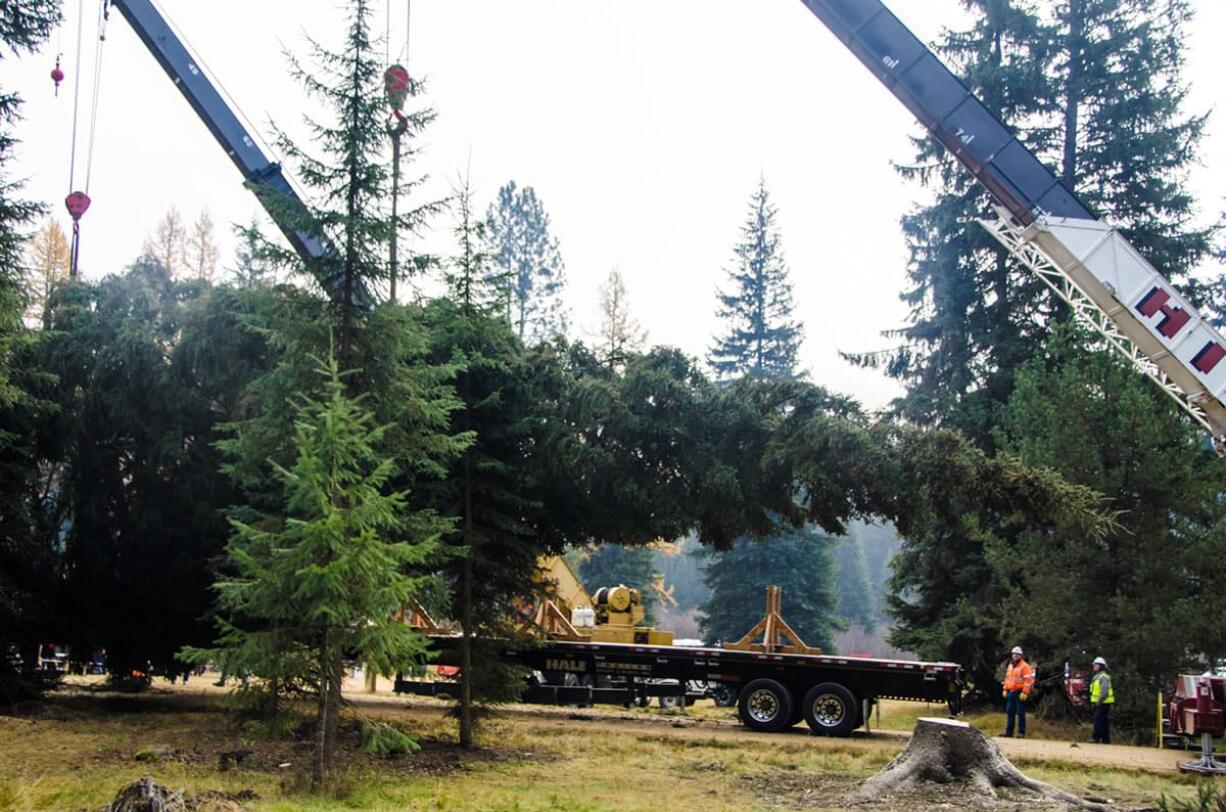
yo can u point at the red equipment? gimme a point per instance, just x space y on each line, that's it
57 75
1199 708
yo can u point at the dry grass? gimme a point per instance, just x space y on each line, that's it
80 750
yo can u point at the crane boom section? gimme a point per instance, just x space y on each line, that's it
1104 278
262 175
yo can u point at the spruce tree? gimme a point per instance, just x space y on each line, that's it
527 265
856 598
1097 91
761 338
1138 596
323 578
489 487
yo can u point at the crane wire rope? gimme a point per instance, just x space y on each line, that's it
76 98
237 109
97 92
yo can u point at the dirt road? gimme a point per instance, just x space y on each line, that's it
698 726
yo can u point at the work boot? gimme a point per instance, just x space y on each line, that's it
1021 735
1006 735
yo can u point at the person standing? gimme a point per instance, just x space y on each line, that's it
1019 680
1102 697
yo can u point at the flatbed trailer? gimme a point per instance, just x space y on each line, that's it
831 693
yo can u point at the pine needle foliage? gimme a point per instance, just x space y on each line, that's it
761 337
322 578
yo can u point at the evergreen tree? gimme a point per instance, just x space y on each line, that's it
530 274
799 562
1138 595
489 487
252 266
1097 87
761 338
49 258
131 491
323 578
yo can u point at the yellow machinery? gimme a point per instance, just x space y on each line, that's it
567 612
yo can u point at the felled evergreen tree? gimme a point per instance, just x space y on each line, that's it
761 338
323 578
528 268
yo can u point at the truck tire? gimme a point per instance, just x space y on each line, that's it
724 695
765 705
831 710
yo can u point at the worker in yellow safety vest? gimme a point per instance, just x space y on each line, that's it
1102 697
1019 681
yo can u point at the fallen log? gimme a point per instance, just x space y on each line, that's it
948 752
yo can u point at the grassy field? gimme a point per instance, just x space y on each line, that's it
82 746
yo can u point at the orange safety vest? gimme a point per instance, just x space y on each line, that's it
1019 677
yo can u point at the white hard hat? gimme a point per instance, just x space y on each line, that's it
1017 649
1100 661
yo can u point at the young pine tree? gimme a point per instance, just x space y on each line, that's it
322 579
761 339
529 272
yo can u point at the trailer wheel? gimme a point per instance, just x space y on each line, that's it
765 705
831 710
724 695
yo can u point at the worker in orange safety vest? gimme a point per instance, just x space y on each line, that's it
1019 681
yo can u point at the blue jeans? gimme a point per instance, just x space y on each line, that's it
1015 707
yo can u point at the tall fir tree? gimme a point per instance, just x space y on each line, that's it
761 338
856 598
489 488
1138 596
529 271
1097 91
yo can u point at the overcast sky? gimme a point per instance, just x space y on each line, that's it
642 124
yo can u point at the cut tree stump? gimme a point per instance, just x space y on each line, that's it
947 752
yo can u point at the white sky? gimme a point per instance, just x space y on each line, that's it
642 124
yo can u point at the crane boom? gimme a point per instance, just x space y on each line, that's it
260 174
1093 267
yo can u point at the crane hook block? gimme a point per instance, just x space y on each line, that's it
57 75
397 84
77 204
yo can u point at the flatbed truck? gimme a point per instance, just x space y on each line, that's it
833 694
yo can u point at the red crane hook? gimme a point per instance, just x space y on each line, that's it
57 75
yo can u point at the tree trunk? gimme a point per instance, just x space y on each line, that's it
947 752
329 708
466 657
